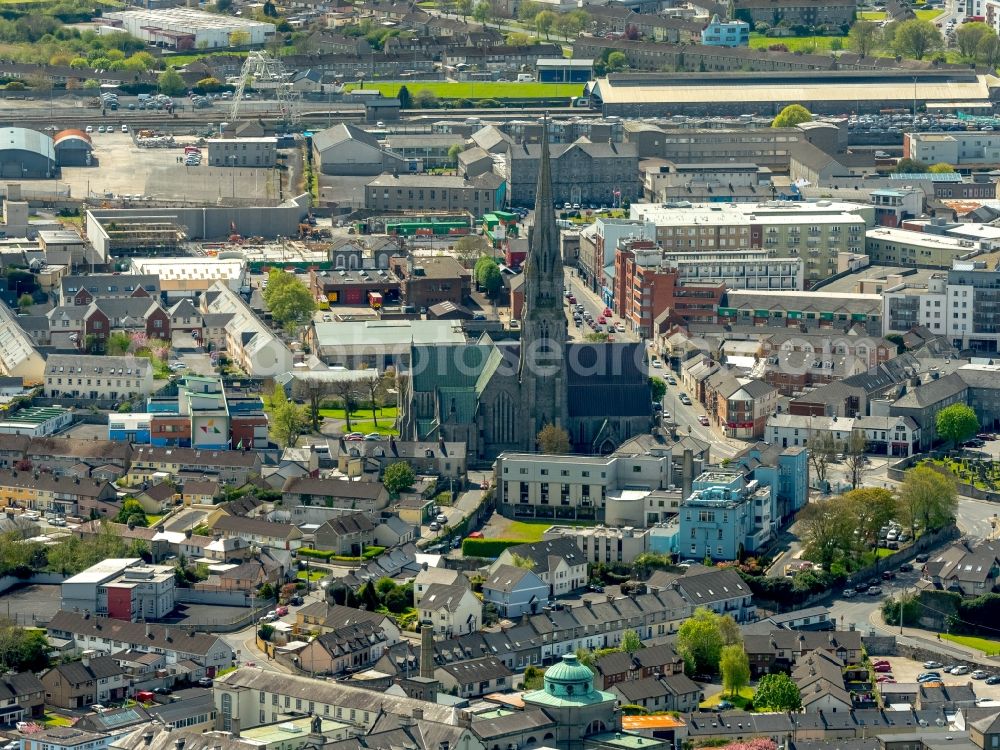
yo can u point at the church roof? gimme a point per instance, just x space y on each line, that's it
605 379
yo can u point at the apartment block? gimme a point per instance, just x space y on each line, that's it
604 544
725 517
901 247
88 376
833 13
122 589
242 152
884 435
612 489
814 232
958 148
726 33
827 310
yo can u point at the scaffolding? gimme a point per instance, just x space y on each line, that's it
268 72
144 237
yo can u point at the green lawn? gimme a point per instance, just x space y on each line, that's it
531 531
871 15
387 412
745 696
805 44
929 15
55 720
482 89
314 575
988 647
366 425
153 519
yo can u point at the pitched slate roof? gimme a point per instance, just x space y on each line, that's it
477 670
132 632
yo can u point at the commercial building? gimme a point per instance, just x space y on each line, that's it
426 192
346 149
726 33
825 310
427 281
36 421
18 356
26 155
813 232
188 29
243 152
598 244
352 287
767 92
185 277
725 517
958 148
562 70
378 343
86 376
122 589
73 148
884 435
765 147
901 247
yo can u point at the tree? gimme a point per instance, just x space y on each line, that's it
630 642
956 423
553 439
734 665
470 247
915 38
426 99
405 99
22 649
969 36
871 508
518 39
827 531
777 692
941 168
864 37
700 642
288 299
822 448
347 392
521 561
314 390
169 82
488 275
375 387
658 388
398 477
119 343
482 12
453 151
616 61
855 458
988 52
791 116
910 166
464 7
288 421
132 513
570 24
927 497
25 301
544 21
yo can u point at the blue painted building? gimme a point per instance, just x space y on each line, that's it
131 427
726 33
563 70
784 470
725 517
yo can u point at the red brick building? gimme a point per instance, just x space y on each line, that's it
644 288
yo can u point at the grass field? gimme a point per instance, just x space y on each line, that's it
745 696
531 531
386 412
871 15
988 647
481 90
384 427
314 575
929 15
807 44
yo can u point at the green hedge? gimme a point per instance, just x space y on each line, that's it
487 547
319 554
372 552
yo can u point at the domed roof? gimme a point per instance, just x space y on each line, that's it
72 133
569 677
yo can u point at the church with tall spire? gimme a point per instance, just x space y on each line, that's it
497 395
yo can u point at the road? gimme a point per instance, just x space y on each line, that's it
595 306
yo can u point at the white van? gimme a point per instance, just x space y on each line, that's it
525 77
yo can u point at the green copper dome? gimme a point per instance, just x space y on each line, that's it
569 678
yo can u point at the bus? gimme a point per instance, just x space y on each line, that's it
374 300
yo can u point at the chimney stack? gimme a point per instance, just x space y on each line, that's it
427 651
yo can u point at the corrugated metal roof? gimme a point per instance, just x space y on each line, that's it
22 139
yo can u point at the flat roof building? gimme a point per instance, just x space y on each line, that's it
37 421
186 28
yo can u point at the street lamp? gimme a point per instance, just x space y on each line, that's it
232 159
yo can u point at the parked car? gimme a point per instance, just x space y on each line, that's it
883 668
672 380
922 557
874 591
441 518
993 679
980 674
906 567
960 669
281 611
703 420
434 526
888 575
932 665
883 678
849 593
205 682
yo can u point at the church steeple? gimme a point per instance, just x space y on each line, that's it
543 320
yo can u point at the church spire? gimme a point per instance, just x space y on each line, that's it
543 319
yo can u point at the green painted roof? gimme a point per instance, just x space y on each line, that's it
542 698
569 670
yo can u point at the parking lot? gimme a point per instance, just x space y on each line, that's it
906 671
